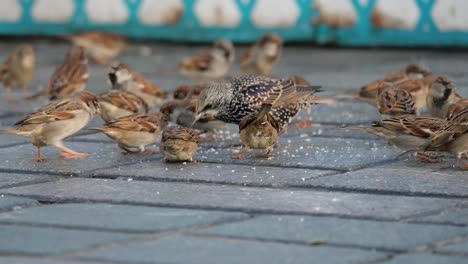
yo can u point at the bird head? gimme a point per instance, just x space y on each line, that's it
442 88
90 101
210 102
226 48
119 74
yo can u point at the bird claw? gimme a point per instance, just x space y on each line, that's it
266 156
304 124
238 156
40 159
151 151
427 158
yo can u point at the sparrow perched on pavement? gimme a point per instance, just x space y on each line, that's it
209 65
18 69
182 112
49 125
71 77
369 92
395 102
231 101
100 47
258 132
406 133
441 95
118 103
262 56
179 144
135 131
122 78
453 138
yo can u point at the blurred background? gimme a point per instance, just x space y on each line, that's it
432 23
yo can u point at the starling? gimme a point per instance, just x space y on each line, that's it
71 77
262 56
210 65
18 70
118 103
232 101
122 78
135 131
441 95
179 144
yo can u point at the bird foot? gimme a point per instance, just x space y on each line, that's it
206 138
464 164
427 158
266 156
74 155
238 156
304 124
151 151
40 159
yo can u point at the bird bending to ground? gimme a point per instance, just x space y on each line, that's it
179 144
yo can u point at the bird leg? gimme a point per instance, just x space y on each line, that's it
39 158
26 93
128 152
10 96
240 155
150 151
69 153
267 154
427 158
305 123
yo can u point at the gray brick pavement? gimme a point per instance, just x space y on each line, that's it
328 195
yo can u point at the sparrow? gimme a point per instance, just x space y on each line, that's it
118 103
18 69
395 102
49 125
453 138
441 95
369 92
71 77
209 65
262 56
258 132
100 47
187 91
406 133
122 78
182 112
179 144
135 131
231 101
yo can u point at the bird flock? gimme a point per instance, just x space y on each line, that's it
261 105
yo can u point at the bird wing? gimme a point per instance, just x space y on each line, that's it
124 100
181 133
446 135
56 111
134 123
65 79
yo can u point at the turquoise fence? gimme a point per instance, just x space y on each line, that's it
188 27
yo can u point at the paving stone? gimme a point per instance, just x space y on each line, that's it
461 248
44 240
7 203
22 158
311 152
337 231
117 217
321 130
450 216
347 112
8 179
213 173
199 250
426 259
235 197
400 177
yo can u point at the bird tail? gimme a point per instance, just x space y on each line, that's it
100 129
14 131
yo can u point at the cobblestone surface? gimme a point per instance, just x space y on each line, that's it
328 195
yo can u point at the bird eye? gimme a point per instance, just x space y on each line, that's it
207 107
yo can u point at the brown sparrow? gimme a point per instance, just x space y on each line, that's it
122 78
453 138
100 47
441 95
179 144
258 132
262 56
187 91
410 72
135 131
71 77
49 125
18 70
119 103
182 112
395 102
210 65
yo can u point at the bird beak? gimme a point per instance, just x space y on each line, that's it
195 120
